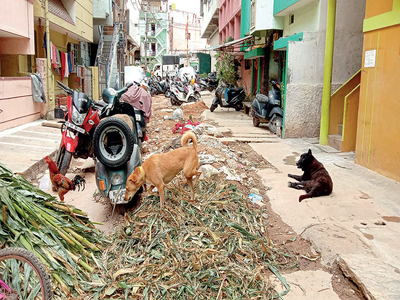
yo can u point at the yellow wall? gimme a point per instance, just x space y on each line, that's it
83 19
374 8
378 142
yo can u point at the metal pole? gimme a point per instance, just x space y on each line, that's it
259 76
326 94
48 61
252 77
187 41
145 38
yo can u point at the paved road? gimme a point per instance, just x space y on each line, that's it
25 145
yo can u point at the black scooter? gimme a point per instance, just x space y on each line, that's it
212 81
268 109
233 97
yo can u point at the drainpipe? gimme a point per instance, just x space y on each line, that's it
252 76
48 62
326 94
259 76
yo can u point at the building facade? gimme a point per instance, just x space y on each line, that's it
153 32
229 19
209 11
377 146
17 60
302 47
185 32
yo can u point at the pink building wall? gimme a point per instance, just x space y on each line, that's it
229 19
17 28
16 103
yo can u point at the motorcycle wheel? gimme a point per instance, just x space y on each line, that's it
113 142
256 122
275 123
175 101
63 160
213 107
197 96
238 107
210 88
167 94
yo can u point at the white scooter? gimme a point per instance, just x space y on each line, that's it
182 93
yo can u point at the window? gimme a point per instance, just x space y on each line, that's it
74 49
247 64
155 9
253 14
29 63
291 19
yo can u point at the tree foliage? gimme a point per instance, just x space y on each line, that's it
227 66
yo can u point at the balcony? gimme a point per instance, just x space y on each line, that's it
211 19
286 7
132 33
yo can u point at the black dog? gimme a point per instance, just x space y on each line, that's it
315 180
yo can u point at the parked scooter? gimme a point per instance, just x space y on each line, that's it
228 97
268 109
212 81
181 92
117 146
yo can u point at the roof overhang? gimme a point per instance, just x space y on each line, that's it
232 43
255 53
282 43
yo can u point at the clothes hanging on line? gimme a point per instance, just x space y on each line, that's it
66 73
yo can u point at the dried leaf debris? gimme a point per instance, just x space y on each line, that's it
216 247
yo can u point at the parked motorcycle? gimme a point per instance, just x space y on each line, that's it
77 131
212 81
112 143
268 109
183 92
226 96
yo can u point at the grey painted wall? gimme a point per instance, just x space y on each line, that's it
306 66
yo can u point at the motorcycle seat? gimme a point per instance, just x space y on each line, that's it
262 98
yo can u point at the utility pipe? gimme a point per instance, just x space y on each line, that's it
252 77
259 76
326 94
48 62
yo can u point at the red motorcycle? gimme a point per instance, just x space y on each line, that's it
77 132
81 121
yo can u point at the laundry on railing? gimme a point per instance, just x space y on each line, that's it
60 60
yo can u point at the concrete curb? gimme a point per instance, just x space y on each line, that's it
39 167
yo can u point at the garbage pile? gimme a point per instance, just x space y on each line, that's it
215 247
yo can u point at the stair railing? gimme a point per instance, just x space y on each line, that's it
100 47
111 57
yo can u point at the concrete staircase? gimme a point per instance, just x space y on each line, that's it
335 140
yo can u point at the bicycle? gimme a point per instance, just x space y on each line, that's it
23 276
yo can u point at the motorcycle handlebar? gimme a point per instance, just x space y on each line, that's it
65 88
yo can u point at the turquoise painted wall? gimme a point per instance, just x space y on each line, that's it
245 21
280 5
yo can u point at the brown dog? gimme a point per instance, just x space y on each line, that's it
159 169
315 180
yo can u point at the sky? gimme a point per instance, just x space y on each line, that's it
187 5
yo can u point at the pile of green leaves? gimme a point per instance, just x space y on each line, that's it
61 236
215 247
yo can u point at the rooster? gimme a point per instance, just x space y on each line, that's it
61 183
